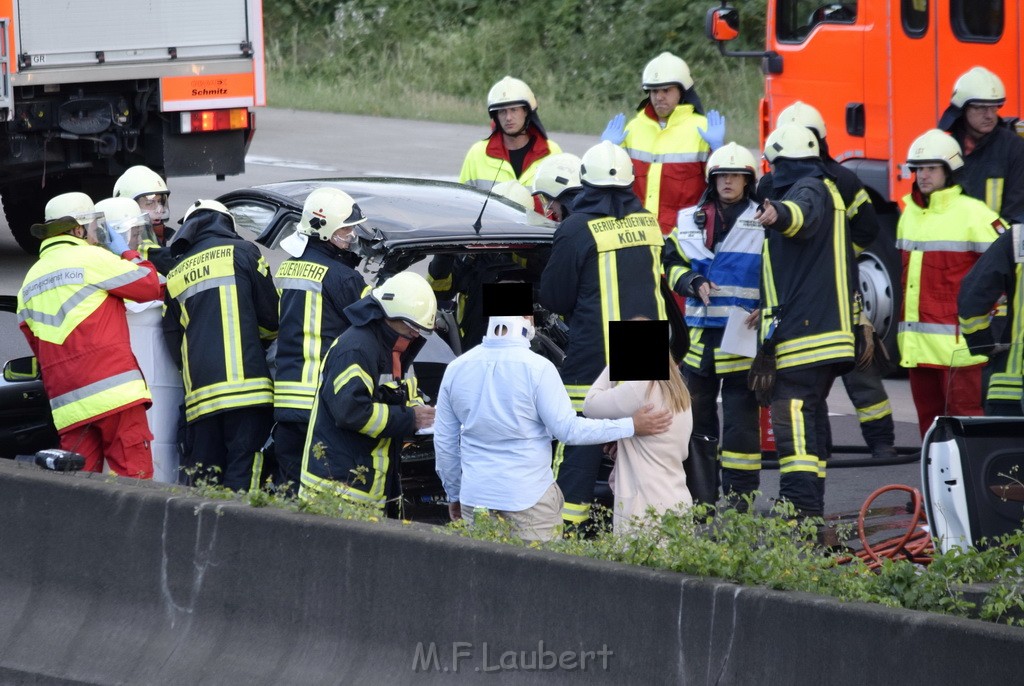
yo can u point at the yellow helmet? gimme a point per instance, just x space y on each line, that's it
137 181
606 165
408 297
666 69
557 174
935 146
731 158
510 92
791 142
803 114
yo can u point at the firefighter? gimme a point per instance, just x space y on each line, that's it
605 266
863 383
366 403
999 270
668 140
713 258
316 285
807 281
942 232
149 190
221 316
516 144
557 184
71 309
993 171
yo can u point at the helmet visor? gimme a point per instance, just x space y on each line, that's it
95 225
156 205
136 231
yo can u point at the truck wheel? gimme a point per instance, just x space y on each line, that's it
879 279
23 207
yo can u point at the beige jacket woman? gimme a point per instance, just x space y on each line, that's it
648 469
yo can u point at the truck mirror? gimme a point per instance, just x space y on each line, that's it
21 369
722 23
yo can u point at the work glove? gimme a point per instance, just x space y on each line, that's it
761 377
116 243
715 133
615 132
864 343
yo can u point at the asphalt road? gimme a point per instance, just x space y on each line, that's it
298 145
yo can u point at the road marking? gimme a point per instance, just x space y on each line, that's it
290 164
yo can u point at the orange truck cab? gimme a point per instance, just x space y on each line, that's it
880 72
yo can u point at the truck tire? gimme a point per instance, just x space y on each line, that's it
23 207
879 280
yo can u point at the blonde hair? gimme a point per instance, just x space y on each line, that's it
673 389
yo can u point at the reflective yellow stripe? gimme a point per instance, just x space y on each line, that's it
312 484
994 194
798 463
821 469
559 456
575 513
974 324
796 221
377 421
257 471
233 354
577 394
656 268
97 398
745 461
607 271
839 243
874 412
440 285
353 371
858 200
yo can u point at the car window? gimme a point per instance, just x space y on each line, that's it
12 342
794 19
252 218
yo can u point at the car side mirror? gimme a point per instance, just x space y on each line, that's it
722 24
22 369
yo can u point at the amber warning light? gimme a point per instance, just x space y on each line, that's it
214 120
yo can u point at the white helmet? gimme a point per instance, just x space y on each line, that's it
731 158
75 204
514 192
126 217
803 114
408 297
935 146
325 211
137 181
666 69
978 86
213 206
606 165
557 174
792 142
510 92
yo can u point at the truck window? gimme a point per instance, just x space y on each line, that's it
794 19
915 17
977 21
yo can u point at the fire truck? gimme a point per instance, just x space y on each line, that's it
92 87
881 72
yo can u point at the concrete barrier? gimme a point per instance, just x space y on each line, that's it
114 583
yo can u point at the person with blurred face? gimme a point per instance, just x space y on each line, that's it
942 233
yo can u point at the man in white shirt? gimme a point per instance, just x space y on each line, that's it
498 409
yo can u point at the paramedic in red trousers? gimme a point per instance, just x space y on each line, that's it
605 266
220 319
993 172
668 140
517 142
807 282
999 270
941 234
863 383
713 258
71 309
316 285
498 408
367 401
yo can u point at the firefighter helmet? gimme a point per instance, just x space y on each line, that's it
137 181
75 204
805 115
935 146
792 142
515 192
408 297
325 211
978 86
126 217
731 158
211 205
606 165
510 92
665 70
557 174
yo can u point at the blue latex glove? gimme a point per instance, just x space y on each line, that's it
615 132
715 134
116 243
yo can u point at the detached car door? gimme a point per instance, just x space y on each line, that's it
26 425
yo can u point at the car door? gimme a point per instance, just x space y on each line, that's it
26 425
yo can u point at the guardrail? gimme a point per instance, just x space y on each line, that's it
106 582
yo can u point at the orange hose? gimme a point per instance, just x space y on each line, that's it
914 545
